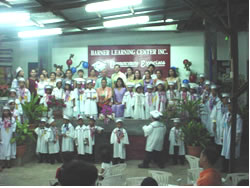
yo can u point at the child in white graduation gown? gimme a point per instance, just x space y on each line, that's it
172 93
7 129
149 101
119 139
22 92
58 90
203 107
160 96
226 145
46 98
18 107
155 134
69 100
79 99
91 132
42 142
68 135
193 93
128 101
81 138
139 102
53 142
177 147
185 94
90 98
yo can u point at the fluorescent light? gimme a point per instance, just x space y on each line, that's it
94 28
13 17
126 21
7 4
38 33
112 4
169 20
117 16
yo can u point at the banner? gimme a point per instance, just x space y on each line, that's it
135 56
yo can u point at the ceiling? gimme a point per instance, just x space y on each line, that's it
70 15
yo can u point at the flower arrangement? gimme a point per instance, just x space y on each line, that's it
106 114
53 102
187 64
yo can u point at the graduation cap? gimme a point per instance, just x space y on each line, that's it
68 82
21 80
130 84
6 107
118 120
12 90
150 86
11 101
177 120
58 80
225 95
91 117
155 114
18 70
43 119
138 85
48 87
159 82
184 85
99 66
207 82
66 117
79 117
51 121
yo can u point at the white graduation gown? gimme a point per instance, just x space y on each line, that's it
119 150
90 104
42 142
68 141
160 101
171 95
6 135
18 106
155 133
149 104
176 141
23 95
139 104
17 117
68 110
52 138
128 99
79 102
40 88
58 93
188 95
80 135
227 136
91 140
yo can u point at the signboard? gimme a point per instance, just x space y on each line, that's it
135 56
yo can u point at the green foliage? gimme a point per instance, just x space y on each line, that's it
23 132
195 134
32 110
190 109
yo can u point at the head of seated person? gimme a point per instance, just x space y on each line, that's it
149 182
79 173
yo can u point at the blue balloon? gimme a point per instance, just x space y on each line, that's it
185 81
73 70
85 64
173 67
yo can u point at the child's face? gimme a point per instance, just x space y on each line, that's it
214 92
230 107
177 125
92 122
139 90
130 89
89 85
160 87
79 86
184 89
59 84
224 100
202 80
48 91
119 124
69 74
12 106
6 113
150 90
65 121
21 84
207 87
12 94
80 74
67 87
80 121
42 124
171 87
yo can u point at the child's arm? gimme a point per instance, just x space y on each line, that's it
112 138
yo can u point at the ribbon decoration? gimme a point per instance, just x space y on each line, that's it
119 135
150 99
92 132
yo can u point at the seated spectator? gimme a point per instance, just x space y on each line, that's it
79 173
209 176
149 182
106 157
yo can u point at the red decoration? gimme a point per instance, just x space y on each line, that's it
192 78
185 61
69 62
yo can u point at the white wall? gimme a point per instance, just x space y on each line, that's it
182 46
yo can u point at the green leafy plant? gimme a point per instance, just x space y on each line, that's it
23 132
190 110
32 110
195 134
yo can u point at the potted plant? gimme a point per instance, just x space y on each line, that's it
196 137
33 110
56 105
190 110
22 134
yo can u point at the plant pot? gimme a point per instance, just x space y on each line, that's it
20 150
192 78
194 150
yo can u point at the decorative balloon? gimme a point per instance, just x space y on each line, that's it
69 62
85 64
185 61
173 67
73 70
185 81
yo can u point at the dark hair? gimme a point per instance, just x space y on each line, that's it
17 75
148 72
42 74
175 74
131 70
152 65
79 173
104 79
105 153
117 65
53 73
70 87
80 70
156 89
139 74
32 70
123 85
68 70
158 71
67 157
149 182
211 155
10 115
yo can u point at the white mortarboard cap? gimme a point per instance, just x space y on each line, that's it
150 86
155 114
159 82
48 87
18 69
51 120
68 82
184 85
118 120
11 101
43 119
229 101
225 95
213 86
207 82
130 84
202 75
171 83
66 117
12 90
91 117
21 80
137 85
78 82
6 108
177 120
58 80
89 81
79 117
